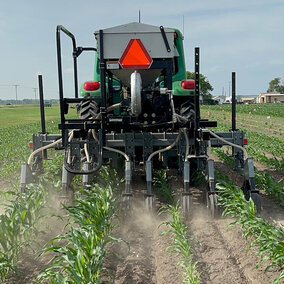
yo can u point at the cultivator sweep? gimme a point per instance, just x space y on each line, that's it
141 111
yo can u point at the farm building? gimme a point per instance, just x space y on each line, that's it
270 98
247 100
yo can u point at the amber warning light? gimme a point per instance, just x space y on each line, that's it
135 56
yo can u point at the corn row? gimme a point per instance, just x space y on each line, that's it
180 243
263 181
268 239
18 226
80 252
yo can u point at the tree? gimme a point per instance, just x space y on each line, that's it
205 86
275 86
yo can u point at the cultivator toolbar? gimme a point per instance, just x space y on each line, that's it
141 111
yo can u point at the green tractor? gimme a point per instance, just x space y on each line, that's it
139 108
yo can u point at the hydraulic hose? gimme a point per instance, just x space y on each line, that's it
43 148
117 151
230 143
87 153
71 134
78 172
165 149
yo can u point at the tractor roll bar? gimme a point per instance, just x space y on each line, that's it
69 34
76 52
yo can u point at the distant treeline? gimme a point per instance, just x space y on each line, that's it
26 102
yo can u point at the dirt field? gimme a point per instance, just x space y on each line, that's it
219 250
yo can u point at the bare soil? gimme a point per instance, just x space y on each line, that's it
220 250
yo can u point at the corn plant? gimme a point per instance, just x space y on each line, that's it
274 189
18 226
267 238
180 243
162 187
14 149
263 181
79 253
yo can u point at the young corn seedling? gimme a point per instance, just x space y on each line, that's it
180 243
270 186
18 226
162 187
80 252
263 181
267 238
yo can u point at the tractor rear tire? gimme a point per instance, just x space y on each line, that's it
89 109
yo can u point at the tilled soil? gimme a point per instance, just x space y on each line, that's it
220 250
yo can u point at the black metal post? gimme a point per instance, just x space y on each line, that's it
196 102
233 101
197 91
103 85
75 77
42 114
41 104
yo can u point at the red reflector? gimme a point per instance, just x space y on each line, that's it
31 144
188 84
135 56
91 86
245 141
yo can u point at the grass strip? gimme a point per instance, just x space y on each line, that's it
180 243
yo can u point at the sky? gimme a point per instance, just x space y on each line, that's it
241 36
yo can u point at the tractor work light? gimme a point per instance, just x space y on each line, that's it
91 86
187 84
135 56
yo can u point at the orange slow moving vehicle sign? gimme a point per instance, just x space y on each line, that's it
135 56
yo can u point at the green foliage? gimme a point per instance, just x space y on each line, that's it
275 86
14 148
79 253
263 181
162 187
180 243
273 110
109 177
18 225
266 182
205 87
268 239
